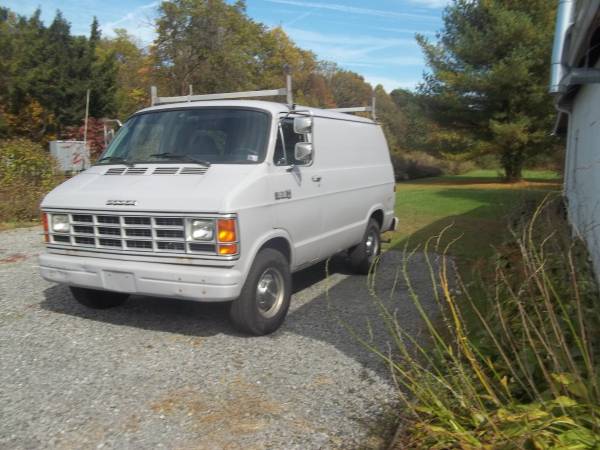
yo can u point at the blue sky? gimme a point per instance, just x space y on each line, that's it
374 38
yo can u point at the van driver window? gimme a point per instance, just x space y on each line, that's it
291 139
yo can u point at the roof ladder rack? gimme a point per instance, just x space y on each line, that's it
283 92
356 109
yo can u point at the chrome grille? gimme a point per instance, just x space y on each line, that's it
136 220
140 233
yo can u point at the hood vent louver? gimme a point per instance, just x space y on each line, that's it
136 171
165 171
193 171
115 171
157 171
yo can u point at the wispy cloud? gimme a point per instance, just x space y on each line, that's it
354 10
299 18
431 3
138 22
402 61
349 39
403 30
372 56
359 51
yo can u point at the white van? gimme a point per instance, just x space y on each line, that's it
220 200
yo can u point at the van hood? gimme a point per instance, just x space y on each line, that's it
211 192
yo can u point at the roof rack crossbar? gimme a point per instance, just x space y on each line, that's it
283 92
156 100
351 110
355 109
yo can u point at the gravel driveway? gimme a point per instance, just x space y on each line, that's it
163 373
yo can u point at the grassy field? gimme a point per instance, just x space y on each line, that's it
476 205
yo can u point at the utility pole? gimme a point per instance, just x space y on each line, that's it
87 112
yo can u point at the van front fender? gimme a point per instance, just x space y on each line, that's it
276 233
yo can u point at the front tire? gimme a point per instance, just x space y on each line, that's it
364 255
97 299
265 298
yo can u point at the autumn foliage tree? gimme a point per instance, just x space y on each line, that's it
212 45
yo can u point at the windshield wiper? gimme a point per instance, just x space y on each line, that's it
116 159
181 157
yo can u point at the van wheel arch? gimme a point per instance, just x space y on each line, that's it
377 215
280 244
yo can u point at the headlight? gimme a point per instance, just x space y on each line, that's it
202 230
60 223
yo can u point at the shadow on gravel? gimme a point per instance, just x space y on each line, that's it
340 309
349 312
172 315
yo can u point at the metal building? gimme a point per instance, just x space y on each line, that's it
575 83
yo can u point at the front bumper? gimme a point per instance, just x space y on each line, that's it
200 283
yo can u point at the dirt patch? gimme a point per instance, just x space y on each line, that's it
245 409
14 258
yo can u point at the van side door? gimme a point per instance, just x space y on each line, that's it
296 188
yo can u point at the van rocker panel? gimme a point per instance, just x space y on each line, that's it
205 284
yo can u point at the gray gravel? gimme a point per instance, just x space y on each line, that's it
163 373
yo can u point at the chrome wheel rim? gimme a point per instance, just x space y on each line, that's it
372 244
270 292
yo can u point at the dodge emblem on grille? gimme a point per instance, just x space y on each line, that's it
121 202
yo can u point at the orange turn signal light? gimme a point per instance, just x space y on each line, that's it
226 232
45 224
228 249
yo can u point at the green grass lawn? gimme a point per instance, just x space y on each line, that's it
476 205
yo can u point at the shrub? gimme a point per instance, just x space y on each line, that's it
410 168
413 165
27 173
95 136
515 367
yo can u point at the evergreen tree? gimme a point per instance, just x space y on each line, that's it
487 86
102 77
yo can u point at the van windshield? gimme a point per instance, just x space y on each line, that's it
209 135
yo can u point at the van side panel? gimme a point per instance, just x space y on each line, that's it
356 179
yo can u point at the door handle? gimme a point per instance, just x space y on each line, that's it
316 178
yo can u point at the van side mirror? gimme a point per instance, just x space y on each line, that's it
303 151
303 125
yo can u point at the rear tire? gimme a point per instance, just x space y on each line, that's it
364 255
97 299
265 298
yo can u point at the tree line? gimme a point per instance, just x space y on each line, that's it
484 92
211 45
